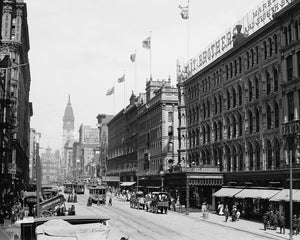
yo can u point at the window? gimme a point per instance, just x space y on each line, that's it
240 125
240 65
170 116
233 98
256 88
275 44
269 117
298 59
270 47
252 57
296 26
268 82
240 95
228 100
265 50
276 112
248 60
256 54
250 120
250 90
257 120
220 103
291 107
275 80
289 67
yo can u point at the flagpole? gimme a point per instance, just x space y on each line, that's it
150 55
135 81
188 32
124 88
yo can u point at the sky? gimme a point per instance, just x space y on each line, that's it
81 48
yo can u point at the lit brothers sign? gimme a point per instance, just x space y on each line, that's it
253 21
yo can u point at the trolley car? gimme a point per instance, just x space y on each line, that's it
68 187
98 194
79 188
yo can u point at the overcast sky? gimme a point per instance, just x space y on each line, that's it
81 48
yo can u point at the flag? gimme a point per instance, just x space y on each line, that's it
147 43
184 12
110 91
121 79
132 57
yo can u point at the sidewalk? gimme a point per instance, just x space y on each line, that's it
241 225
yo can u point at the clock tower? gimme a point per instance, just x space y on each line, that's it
67 136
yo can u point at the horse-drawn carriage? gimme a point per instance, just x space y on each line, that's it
137 200
157 201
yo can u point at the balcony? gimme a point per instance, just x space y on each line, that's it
291 127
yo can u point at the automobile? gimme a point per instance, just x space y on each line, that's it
158 201
137 200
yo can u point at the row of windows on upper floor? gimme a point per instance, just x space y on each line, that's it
234 96
233 126
269 48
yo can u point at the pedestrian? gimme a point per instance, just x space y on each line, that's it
233 213
298 224
1 217
294 224
110 201
265 219
226 213
281 223
238 214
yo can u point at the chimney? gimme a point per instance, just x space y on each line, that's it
238 36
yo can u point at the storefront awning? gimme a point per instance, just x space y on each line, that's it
257 193
227 192
127 184
284 195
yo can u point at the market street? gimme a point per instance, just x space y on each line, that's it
139 224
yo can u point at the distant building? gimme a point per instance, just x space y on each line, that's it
89 142
34 137
122 144
49 166
67 141
103 119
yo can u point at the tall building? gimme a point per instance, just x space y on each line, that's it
49 166
67 140
239 113
121 162
16 109
89 143
157 122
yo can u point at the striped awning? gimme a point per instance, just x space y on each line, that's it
206 181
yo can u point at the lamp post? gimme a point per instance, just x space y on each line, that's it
162 174
291 193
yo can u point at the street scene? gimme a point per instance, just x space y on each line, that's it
129 120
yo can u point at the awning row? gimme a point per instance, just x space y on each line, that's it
271 194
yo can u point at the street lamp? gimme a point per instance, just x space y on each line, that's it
291 193
162 174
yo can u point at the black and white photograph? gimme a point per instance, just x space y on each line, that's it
149 120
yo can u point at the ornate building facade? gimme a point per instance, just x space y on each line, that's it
122 143
239 115
157 122
16 109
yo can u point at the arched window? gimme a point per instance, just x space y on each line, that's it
276 113
235 68
240 65
204 110
277 153
228 99
296 27
228 128
275 79
269 155
270 47
256 120
256 88
257 154
240 95
241 158
248 60
252 57
250 120
275 44
233 98
250 150
250 90
234 156
208 109
220 126
208 133
215 132
268 82
233 127
256 54
227 72
204 134
220 103
285 33
215 105
265 50
230 69
240 119
269 117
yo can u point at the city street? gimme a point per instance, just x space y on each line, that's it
139 224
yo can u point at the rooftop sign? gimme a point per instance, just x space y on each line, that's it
251 22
